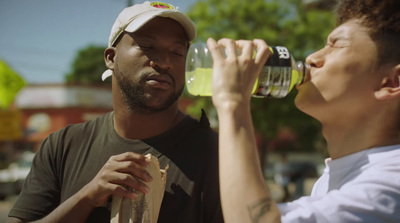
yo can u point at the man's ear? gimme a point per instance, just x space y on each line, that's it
390 87
109 55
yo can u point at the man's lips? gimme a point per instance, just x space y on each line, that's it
307 78
160 80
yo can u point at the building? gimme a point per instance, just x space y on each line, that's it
48 108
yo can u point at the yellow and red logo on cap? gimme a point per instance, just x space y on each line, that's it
161 5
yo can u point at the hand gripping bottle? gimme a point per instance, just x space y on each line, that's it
277 78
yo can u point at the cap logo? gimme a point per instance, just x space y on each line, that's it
161 5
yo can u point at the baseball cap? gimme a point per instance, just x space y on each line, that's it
134 17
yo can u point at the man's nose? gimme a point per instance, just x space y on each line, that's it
316 59
161 61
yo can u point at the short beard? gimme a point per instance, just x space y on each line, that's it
135 96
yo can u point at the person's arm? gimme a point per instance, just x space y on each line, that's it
120 173
244 195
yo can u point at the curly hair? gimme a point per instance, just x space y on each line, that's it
381 17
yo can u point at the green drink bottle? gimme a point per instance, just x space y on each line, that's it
277 78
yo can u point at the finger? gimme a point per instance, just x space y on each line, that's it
130 156
230 47
215 49
263 52
129 181
134 169
247 48
123 191
128 163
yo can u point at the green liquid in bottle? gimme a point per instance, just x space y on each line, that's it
295 79
198 83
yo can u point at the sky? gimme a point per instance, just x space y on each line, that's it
39 39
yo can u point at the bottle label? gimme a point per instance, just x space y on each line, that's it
280 57
276 76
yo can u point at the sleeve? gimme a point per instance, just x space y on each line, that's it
41 190
372 200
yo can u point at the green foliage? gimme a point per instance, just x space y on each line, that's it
88 66
10 84
280 22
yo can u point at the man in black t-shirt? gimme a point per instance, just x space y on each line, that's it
79 168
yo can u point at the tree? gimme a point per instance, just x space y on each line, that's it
10 84
289 23
88 66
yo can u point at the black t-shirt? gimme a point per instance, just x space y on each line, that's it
71 157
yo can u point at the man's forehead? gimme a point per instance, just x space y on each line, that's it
349 28
338 31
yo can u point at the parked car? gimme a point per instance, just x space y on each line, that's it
12 178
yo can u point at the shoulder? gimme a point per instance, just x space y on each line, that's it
73 137
97 125
355 205
369 193
381 164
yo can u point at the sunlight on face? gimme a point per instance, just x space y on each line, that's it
150 65
343 74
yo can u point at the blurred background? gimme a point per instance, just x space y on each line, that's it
51 61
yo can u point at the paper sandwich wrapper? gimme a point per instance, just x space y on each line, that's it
145 208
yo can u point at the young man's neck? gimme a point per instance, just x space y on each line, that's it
353 136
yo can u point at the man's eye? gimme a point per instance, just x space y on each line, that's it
341 45
178 53
337 44
145 47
